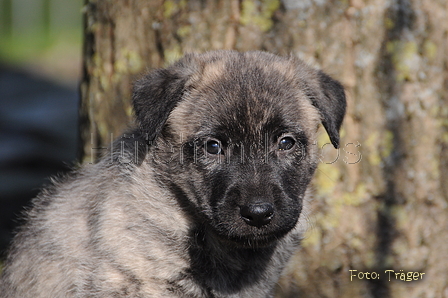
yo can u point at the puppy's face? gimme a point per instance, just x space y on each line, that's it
241 128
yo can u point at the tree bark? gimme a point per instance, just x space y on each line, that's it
381 201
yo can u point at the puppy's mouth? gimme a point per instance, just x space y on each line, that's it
257 241
251 237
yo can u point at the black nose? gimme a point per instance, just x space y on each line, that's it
257 214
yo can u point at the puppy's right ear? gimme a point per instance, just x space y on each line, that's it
157 94
331 104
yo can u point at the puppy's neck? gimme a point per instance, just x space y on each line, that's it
214 262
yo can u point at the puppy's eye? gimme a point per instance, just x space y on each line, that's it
213 147
286 143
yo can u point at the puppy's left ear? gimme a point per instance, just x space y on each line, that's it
331 104
158 93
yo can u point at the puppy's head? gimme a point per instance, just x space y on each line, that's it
241 130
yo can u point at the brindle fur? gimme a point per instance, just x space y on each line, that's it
161 217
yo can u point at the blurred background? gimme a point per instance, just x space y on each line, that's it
40 66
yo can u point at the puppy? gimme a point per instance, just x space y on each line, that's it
203 199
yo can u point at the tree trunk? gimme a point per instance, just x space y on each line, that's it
381 201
